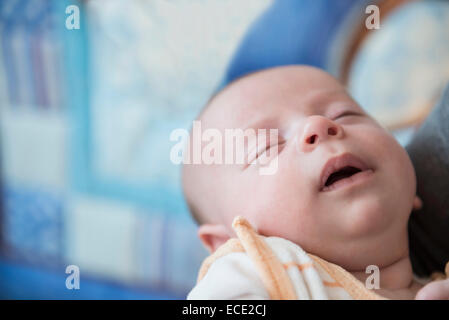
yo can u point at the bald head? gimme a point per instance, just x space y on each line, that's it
253 91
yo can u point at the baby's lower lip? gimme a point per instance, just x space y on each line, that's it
352 180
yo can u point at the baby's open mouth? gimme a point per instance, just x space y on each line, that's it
342 170
343 173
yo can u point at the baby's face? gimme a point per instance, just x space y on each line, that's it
344 187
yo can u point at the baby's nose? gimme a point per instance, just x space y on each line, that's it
317 130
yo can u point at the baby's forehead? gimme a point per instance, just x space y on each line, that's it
242 105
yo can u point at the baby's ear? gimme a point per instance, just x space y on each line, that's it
417 203
213 235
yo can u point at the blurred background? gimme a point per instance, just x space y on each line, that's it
86 114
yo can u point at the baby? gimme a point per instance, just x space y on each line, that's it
343 190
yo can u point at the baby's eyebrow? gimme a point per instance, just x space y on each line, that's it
322 100
263 123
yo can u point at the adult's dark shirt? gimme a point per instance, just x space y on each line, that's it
429 227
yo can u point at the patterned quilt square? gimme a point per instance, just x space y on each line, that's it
32 225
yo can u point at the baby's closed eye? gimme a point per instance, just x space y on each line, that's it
347 113
268 147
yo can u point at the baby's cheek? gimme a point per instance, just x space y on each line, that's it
283 205
397 157
396 168
379 145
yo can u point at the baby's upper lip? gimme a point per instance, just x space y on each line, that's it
339 162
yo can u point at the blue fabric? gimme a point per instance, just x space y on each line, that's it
24 282
32 222
290 32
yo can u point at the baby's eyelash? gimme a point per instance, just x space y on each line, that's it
254 155
347 113
279 144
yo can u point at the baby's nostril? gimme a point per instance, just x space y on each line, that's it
332 131
311 139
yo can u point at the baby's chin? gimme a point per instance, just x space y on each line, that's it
370 236
370 216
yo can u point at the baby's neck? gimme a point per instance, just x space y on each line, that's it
396 280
